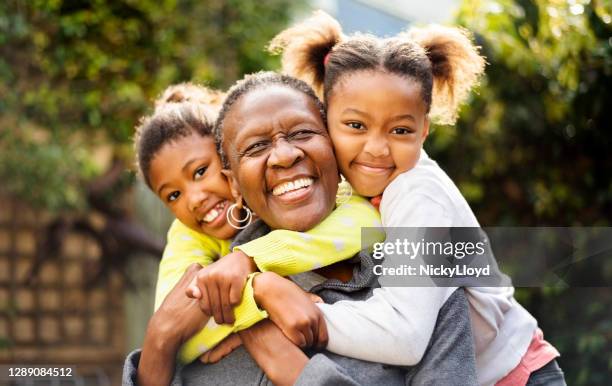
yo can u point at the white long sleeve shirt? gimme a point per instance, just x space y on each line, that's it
396 323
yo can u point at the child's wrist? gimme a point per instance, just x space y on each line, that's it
262 284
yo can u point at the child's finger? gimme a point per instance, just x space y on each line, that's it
296 337
226 307
224 348
205 304
322 333
205 358
215 303
235 295
309 336
193 291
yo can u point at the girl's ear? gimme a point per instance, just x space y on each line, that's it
234 187
425 129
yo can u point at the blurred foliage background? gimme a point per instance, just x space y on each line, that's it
531 148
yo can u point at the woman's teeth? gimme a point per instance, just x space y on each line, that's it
214 212
292 185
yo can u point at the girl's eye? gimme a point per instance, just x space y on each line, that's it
355 125
199 172
173 196
402 131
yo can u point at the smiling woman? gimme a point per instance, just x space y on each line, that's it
281 157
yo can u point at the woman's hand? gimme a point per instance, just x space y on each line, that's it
218 287
277 356
291 309
177 319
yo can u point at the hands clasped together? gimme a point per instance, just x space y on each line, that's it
294 320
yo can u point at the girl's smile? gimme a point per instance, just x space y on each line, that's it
377 122
186 175
373 168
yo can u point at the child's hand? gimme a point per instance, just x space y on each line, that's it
218 287
223 349
291 309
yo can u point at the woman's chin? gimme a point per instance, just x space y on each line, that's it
300 218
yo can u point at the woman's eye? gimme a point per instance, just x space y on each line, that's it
199 172
173 196
402 131
301 134
255 148
355 125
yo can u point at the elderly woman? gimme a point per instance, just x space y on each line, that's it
271 134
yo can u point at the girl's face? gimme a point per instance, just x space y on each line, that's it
281 157
378 123
186 175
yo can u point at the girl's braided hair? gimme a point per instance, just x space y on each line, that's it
443 60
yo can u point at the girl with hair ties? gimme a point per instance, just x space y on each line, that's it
271 133
380 96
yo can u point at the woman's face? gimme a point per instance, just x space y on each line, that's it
377 122
186 175
281 157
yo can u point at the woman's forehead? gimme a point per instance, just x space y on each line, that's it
266 108
273 97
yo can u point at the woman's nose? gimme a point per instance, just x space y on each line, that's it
377 146
284 154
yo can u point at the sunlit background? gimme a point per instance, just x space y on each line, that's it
80 238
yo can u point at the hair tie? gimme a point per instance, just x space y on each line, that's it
326 58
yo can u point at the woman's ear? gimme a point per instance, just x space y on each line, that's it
234 187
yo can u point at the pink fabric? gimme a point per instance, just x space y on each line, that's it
376 201
539 353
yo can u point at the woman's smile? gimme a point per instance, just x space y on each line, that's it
281 157
293 191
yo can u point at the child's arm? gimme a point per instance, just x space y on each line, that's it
183 248
396 323
336 238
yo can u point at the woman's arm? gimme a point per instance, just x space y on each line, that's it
277 356
177 318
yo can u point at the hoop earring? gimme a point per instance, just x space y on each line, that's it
231 219
345 192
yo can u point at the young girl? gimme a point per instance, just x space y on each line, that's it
178 160
380 96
